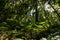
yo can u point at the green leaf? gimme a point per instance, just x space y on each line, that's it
18 39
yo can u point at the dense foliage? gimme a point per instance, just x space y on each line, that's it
29 19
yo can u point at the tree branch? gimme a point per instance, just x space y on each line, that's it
49 2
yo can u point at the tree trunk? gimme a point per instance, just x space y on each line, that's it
36 13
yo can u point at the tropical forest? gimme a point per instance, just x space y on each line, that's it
29 19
